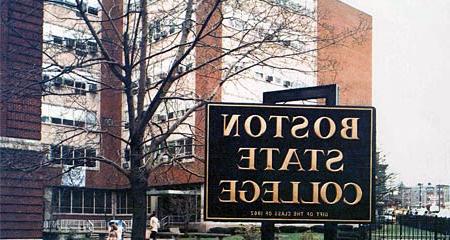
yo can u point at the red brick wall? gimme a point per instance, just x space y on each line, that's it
352 60
110 104
20 68
21 196
21 206
207 78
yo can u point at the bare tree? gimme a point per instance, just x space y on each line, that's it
156 53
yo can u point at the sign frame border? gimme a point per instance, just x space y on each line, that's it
296 220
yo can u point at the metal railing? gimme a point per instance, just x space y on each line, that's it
75 225
409 227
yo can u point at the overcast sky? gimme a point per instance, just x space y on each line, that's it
411 86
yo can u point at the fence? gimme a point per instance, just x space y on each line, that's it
408 227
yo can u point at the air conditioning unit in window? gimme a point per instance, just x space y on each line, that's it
180 69
269 78
157 36
148 82
162 76
287 84
93 88
57 82
70 43
286 43
161 117
125 165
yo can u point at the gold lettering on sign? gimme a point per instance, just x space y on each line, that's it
317 125
336 159
269 157
292 153
256 192
274 191
315 194
278 125
323 193
313 158
295 186
231 190
300 126
250 158
262 126
353 128
233 123
358 193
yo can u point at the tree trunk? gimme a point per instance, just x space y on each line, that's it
138 193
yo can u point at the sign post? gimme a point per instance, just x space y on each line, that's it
330 93
289 163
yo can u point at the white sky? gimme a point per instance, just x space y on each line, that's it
411 80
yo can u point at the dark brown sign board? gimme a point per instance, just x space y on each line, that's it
289 163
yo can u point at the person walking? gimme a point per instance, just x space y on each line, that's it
112 234
154 225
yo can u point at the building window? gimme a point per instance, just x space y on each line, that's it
76 200
57 40
124 203
70 156
178 148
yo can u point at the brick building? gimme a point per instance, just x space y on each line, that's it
33 124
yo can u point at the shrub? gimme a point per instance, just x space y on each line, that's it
222 230
292 229
317 229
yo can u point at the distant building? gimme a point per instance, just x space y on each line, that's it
425 196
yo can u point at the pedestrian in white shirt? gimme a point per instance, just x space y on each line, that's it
154 225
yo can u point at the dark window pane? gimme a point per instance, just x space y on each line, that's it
79 156
55 200
79 123
57 40
171 148
70 43
56 120
90 153
45 119
77 200
99 202
55 154
88 201
121 202
127 154
108 202
68 82
68 122
67 155
93 10
188 146
129 203
80 45
65 200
